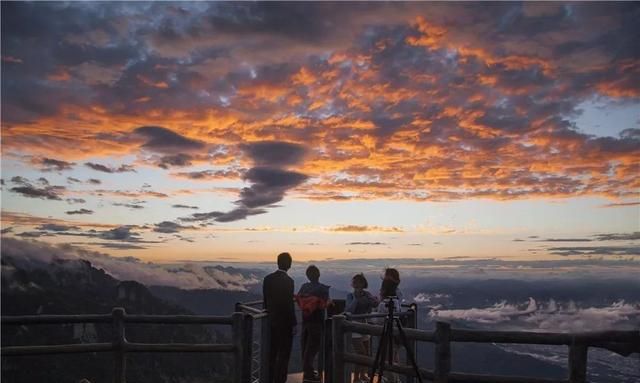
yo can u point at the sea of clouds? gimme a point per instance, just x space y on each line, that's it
547 316
36 254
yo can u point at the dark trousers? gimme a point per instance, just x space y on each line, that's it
281 341
311 342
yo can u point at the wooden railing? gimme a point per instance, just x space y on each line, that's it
336 354
621 342
261 334
409 315
240 346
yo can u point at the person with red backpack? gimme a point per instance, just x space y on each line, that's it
313 299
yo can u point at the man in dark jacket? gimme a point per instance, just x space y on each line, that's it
277 292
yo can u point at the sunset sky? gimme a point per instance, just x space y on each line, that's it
231 132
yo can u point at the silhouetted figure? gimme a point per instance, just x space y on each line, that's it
277 292
312 298
360 301
389 291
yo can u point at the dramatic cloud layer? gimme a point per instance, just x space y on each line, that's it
396 101
269 153
383 129
90 234
163 140
269 179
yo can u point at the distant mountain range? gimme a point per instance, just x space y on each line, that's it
76 287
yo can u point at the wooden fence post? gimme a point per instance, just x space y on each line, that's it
348 347
265 348
242 338
577 362
327 347
443 353
248 351
338 348
412 322
321 353
119 340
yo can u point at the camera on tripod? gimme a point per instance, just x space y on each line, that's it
390 303
390 298
385 347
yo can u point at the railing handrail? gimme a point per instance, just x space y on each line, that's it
108 318
399 314
592 338
55 319
79 348
250 309
374 329
253 303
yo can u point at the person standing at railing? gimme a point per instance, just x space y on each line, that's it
360 301
313 299
277 293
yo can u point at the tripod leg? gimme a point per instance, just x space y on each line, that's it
412 359
390 337
389 348
378 361
387 336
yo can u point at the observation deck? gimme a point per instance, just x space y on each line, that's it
250 336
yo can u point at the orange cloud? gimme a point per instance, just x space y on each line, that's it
429 109
151 83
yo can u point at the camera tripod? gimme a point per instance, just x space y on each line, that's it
385 348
